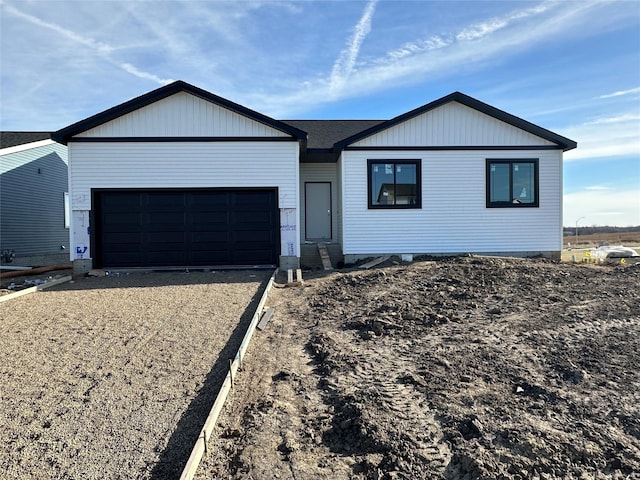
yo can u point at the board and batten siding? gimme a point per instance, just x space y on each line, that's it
182 115
452 124
320 172
139 165
453 217
33 182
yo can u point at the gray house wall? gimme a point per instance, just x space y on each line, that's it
33 182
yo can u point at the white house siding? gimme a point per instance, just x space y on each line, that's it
33 180
320 172
453 217
452 124
183 165
340 190
179 115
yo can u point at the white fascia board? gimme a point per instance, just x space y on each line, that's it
25 146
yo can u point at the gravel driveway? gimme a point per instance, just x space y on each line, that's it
113 377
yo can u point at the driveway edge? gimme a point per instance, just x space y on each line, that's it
200 447
37 288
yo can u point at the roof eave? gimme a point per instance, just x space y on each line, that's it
64 135
562 142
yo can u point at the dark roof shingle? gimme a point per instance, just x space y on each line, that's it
12 139
323 134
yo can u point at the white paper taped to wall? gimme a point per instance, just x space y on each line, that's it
80 235
289 231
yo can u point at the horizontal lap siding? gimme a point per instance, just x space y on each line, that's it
183 165
453 217
32 203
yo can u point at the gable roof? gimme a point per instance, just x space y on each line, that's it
12 139
64 135
562 142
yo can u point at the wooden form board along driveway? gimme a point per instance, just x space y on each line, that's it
113 377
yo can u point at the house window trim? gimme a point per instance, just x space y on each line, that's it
395 161
511 161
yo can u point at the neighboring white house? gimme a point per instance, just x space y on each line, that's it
33 184
182 177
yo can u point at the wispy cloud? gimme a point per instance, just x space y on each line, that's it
343 67
127 67
432 57
627 117
619 93
412 48
606 137
98 47
482 29
598 187
602 207
103 49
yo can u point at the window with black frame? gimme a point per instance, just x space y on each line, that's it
512 183
394 183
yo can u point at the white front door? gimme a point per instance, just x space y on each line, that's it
317 199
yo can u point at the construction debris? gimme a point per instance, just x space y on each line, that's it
375 261
266 316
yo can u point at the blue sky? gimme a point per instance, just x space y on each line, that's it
571 67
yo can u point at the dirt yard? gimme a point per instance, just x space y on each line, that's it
464 368
113 377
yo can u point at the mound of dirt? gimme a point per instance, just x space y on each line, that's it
461 368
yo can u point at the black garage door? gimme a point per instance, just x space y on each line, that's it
155 228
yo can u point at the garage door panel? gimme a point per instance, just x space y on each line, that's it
122 238
119 219
251 199
116 258
165 218
212 257
187 228
253 236
204 218
252 217
131 249
249 257
161 238
208 201
122 203
164 200
211 238
165 259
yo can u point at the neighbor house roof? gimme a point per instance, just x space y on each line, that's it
12 139
65 134
562 142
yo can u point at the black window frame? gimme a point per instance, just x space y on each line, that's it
512 203
417 162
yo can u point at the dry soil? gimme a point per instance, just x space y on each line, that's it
462 368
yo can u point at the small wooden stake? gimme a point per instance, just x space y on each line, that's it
231 371
265 318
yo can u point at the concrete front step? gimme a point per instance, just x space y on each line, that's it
310 256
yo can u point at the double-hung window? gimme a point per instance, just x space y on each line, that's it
394 184
512 183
